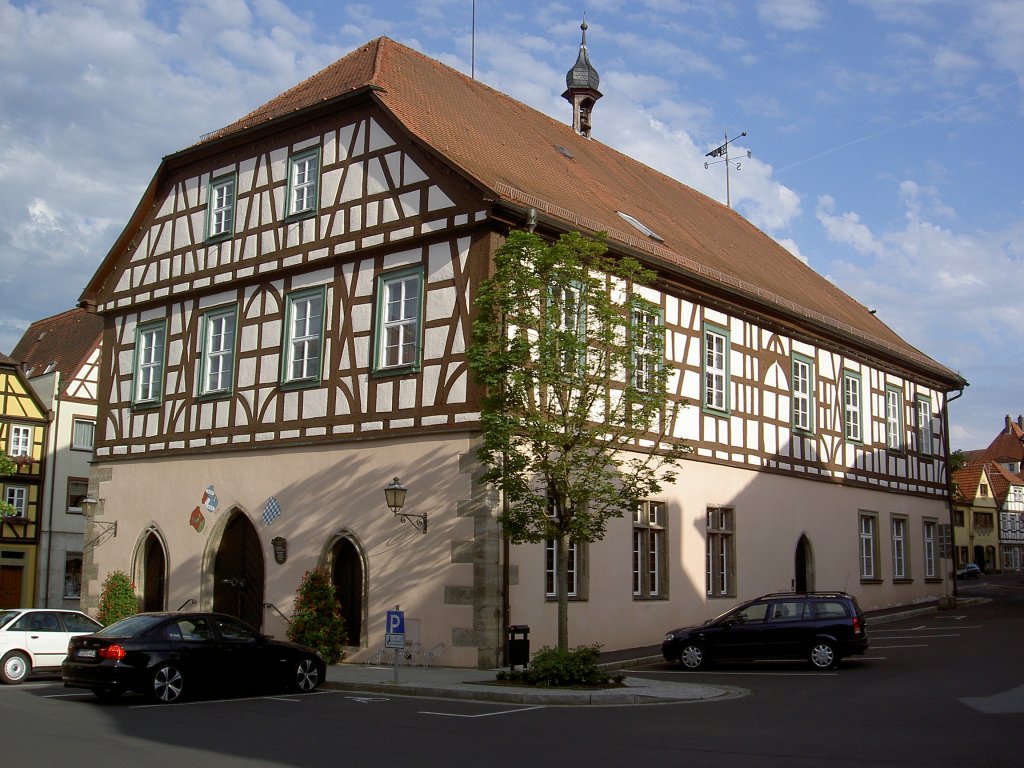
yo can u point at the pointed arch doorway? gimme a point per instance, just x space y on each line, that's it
803 566
154 573
238 572
347 575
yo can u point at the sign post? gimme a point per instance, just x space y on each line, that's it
394 636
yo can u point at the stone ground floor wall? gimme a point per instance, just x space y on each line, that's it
449 581
59 590
772 514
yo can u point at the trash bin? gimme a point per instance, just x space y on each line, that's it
518 646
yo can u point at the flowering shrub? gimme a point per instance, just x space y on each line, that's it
317 621
118 598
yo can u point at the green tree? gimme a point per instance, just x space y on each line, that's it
576 409
117 599
317 621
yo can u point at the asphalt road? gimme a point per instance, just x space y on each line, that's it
944 689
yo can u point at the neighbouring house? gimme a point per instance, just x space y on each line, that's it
975 517
24 424
286 319
60 357
1006 454
1009 492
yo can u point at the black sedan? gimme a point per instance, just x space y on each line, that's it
171 655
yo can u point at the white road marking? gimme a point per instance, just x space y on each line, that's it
484 714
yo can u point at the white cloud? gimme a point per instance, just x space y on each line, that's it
790 15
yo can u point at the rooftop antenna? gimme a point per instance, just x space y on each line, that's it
723 153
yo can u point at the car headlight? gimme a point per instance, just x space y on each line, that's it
669 637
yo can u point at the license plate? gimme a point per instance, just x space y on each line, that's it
86 653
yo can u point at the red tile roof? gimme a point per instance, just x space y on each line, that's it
966 480
513 153
65 340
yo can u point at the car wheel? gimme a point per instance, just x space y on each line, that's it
15 668
823 655
168 684
307 676
693 656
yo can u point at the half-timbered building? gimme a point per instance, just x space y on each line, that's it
60 357
287 315
23 435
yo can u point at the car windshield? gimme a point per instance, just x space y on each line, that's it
6 616
131 626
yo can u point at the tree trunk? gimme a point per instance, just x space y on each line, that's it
562 575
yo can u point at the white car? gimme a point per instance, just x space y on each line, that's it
35 640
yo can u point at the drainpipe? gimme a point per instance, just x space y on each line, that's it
949 481
55 426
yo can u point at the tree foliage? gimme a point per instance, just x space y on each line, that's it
117 599
317 621
576 411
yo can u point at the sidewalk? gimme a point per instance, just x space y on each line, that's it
481 685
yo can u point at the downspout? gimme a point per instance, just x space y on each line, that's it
55 427
949 484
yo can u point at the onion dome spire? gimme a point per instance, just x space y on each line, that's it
581 87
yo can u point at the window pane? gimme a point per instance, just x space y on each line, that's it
83 434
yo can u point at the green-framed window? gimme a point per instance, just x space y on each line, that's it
303 182
646 331
716 369
218 356
304 337
399 320
893 419
803 393
150 349
923 425
853 415
220 208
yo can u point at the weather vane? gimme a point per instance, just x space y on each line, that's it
722 152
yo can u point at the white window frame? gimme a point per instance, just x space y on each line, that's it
19 443
923 425
853 416
893 419
17 497
150 348
868 525
929 535
803 393
77 427
720 553
645 325
551 570
649 550
220 215
303 182
399 320
304 337
715 369
218 361
899 548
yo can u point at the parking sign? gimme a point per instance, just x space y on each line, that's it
395 630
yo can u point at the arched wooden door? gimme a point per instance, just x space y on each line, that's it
238 573
347 576
154 574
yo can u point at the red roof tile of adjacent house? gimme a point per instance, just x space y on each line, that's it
1001 479
62 342
965 482
524 159
1007 446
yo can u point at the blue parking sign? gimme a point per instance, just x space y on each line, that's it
395 630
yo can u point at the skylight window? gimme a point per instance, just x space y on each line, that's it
564 151
642 227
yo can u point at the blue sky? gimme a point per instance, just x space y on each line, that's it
884 133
